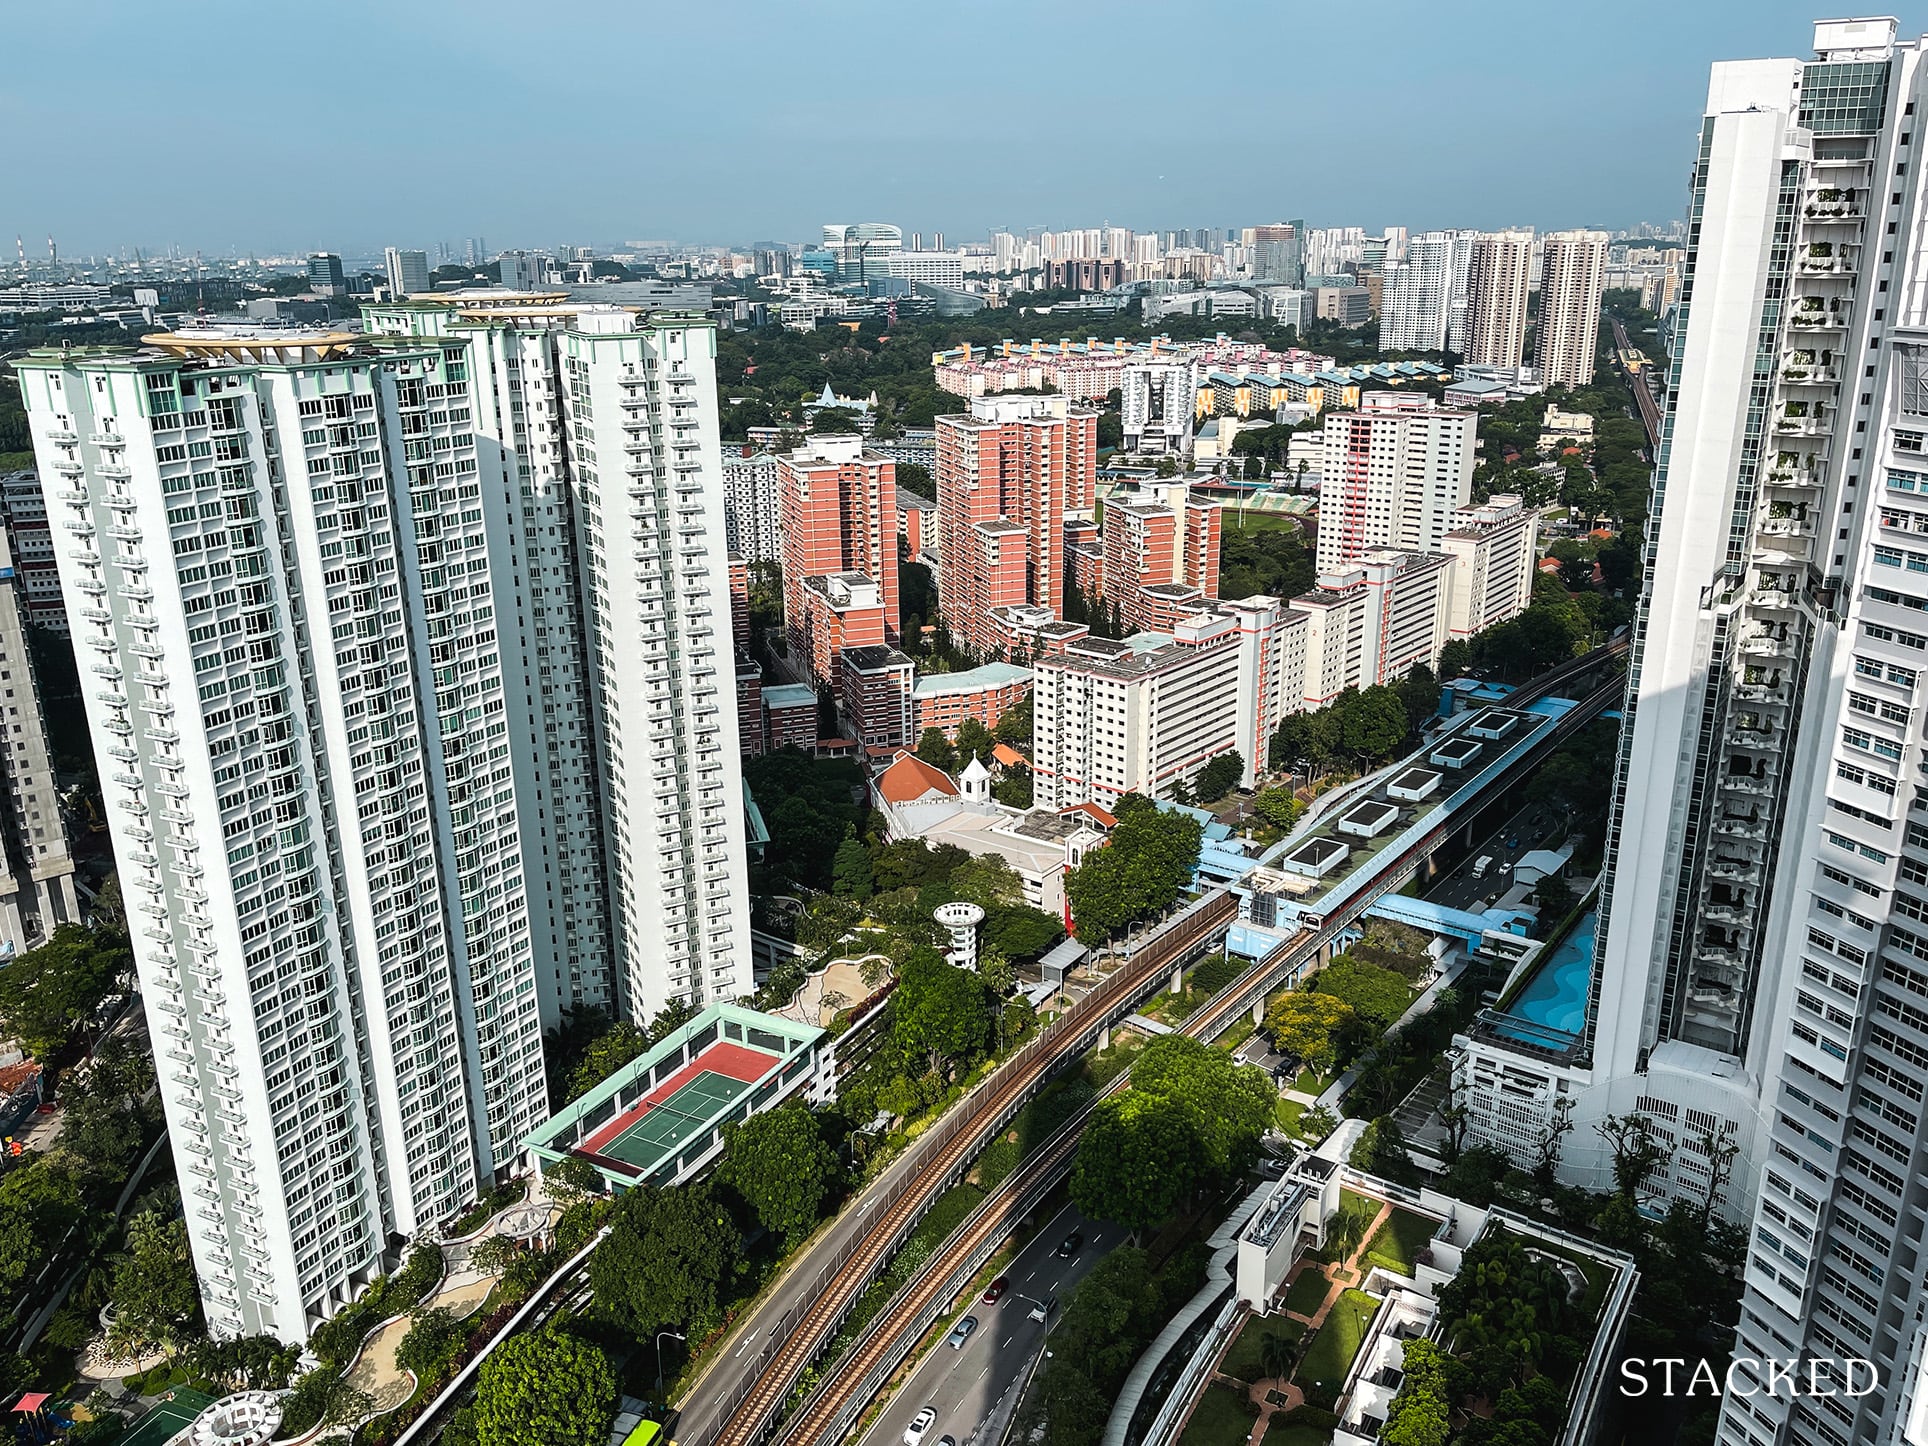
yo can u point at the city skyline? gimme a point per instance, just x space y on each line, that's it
759 153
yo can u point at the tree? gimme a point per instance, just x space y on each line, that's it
1014 724
1219 776
974 740
1310 1025
607 1053
935 749
48 995
664 1260
1147 863
1381 1150
431 1344
1279 807
1014 790
1233 1103
939 1013
850 870
1138 1160
39 1203
546 1389
155 1295
1379 996
782 1166
1019 931
1637 1151
104 1122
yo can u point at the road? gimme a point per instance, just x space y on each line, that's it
1532 826
965 1384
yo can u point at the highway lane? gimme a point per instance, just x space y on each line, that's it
963 1385
1534 825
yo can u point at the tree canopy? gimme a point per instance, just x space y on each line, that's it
1143 869
783 1168
1310 1026
1191 1118
546 1388
48 994
664 1261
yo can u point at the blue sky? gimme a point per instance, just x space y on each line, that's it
347 125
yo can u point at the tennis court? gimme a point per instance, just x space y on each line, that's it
168 1419
684 1107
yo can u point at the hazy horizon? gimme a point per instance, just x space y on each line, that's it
260 131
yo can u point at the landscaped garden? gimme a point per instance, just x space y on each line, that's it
1223 1417
1398 1242
1322 1370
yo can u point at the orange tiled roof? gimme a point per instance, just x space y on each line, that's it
910 778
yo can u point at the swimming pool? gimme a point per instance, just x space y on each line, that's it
1555 997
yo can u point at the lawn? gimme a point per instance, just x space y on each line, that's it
1287 1113
1223 1417
1330 1355
1305 1292
1311 1082
1346 1230
1246 1359
1256 521
1398 1242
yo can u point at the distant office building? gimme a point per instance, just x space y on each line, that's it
1567 334
523 270
407 272
1392 474
1007 473
1087 273
37 886
1349 306
862 250
928 268
325 274
1496 298
1278 253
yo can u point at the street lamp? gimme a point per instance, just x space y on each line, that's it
678 1335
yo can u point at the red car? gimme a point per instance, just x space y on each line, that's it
994 1292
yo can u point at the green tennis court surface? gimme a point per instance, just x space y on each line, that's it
168 1419
653 1130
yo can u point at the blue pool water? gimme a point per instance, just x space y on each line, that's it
1556 996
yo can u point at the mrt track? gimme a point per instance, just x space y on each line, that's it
757 1410
759 1403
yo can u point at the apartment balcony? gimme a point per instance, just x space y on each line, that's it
1818 319
1844 266
1747 786
1797 375
1790 527
1731 826
1801 427
1762 692
62 436
1732 914
1832 205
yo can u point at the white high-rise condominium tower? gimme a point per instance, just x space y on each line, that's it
609 418
1573 268
1496 294
1763 970
1416 303
284 555
397 651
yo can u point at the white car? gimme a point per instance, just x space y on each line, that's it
920 1426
